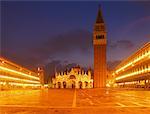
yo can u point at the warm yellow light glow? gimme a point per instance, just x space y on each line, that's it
3 83
18 79
133 62
21 84
17 72
146 70
107 85
45 85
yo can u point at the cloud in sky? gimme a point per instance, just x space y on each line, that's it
137 27
120 49
137 22
112 64
122 44
77 42
67 42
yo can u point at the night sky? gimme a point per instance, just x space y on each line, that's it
41 33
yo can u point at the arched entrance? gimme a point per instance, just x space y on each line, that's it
73 83
91 84
86 84
64 84
80 84
59 84
54 85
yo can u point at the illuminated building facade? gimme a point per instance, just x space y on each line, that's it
99 43
16 76
76 78
135 70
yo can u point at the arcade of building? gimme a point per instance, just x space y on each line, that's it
134 71
13 76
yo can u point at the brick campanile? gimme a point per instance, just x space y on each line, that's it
99 43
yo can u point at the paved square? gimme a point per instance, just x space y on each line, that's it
73 101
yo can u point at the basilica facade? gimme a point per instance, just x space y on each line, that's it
75 78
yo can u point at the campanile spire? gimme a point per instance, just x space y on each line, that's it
99 18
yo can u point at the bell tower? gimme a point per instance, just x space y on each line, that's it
99 43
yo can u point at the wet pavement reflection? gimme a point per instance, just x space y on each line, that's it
64 101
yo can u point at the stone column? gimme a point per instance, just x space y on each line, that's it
61 86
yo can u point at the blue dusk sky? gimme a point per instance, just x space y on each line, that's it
39 33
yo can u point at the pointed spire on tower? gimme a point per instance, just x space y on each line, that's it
99 15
